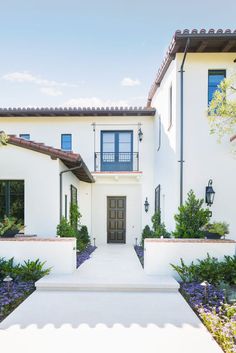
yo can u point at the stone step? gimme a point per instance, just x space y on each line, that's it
153 284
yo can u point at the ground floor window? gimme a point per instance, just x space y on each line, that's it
12 199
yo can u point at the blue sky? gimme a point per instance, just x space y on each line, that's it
92 53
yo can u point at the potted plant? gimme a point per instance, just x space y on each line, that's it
9 227
216 230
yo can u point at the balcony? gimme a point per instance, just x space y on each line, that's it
116 162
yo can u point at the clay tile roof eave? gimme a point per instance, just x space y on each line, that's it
219 35
68 158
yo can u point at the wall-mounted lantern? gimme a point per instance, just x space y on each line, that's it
140 134
210 193
146 205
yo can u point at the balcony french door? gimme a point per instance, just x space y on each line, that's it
116 150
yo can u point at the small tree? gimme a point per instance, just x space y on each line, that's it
191 218
222 109
3 138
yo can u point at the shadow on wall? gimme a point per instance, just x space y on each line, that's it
167 175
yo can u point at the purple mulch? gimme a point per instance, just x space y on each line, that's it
85 254
140 253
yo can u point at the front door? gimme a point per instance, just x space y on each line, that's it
116 219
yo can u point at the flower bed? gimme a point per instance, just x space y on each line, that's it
85 255
218 316
140 253
11 295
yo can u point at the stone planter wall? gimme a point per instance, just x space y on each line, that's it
59 253
160 253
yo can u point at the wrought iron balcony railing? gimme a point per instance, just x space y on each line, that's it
116 162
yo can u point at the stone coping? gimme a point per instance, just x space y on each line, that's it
151 240
33 238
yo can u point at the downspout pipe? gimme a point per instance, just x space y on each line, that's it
181 161
61 188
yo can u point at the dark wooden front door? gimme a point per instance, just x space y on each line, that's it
116 219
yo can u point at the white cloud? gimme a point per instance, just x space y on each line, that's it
51 91
95 102
129 82
48 87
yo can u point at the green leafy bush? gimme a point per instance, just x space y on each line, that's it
32 270
64 229
210 269
28 271
83 239
191 219
75 216
158 228
72 228
10 224
147 233
220 228
8 267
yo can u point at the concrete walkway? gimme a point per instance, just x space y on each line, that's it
106 319
112 268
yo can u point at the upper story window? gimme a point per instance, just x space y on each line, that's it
25 136
170 107
117 150
214 79
66 142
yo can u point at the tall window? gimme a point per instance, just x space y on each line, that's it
159 133
117 150
170 107
214 79
158 198
66 142
25 136
73 195
12 199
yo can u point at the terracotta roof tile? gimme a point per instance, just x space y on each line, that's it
215 40
70 159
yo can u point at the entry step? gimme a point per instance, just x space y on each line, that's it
74 283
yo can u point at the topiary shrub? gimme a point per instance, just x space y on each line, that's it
64 229
191 219
83 239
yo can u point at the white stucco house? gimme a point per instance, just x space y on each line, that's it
123 157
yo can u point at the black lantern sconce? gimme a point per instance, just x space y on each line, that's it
146 205
140 134
210 193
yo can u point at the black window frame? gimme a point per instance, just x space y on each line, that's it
170 117
65 149
8 194
73 195
157 205
211 72
159 134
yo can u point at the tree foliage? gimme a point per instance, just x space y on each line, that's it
3 138
191 218
222 109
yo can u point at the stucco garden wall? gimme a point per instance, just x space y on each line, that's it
160 253
59 253
41 176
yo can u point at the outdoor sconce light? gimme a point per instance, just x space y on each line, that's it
210 193
140 134
146 205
